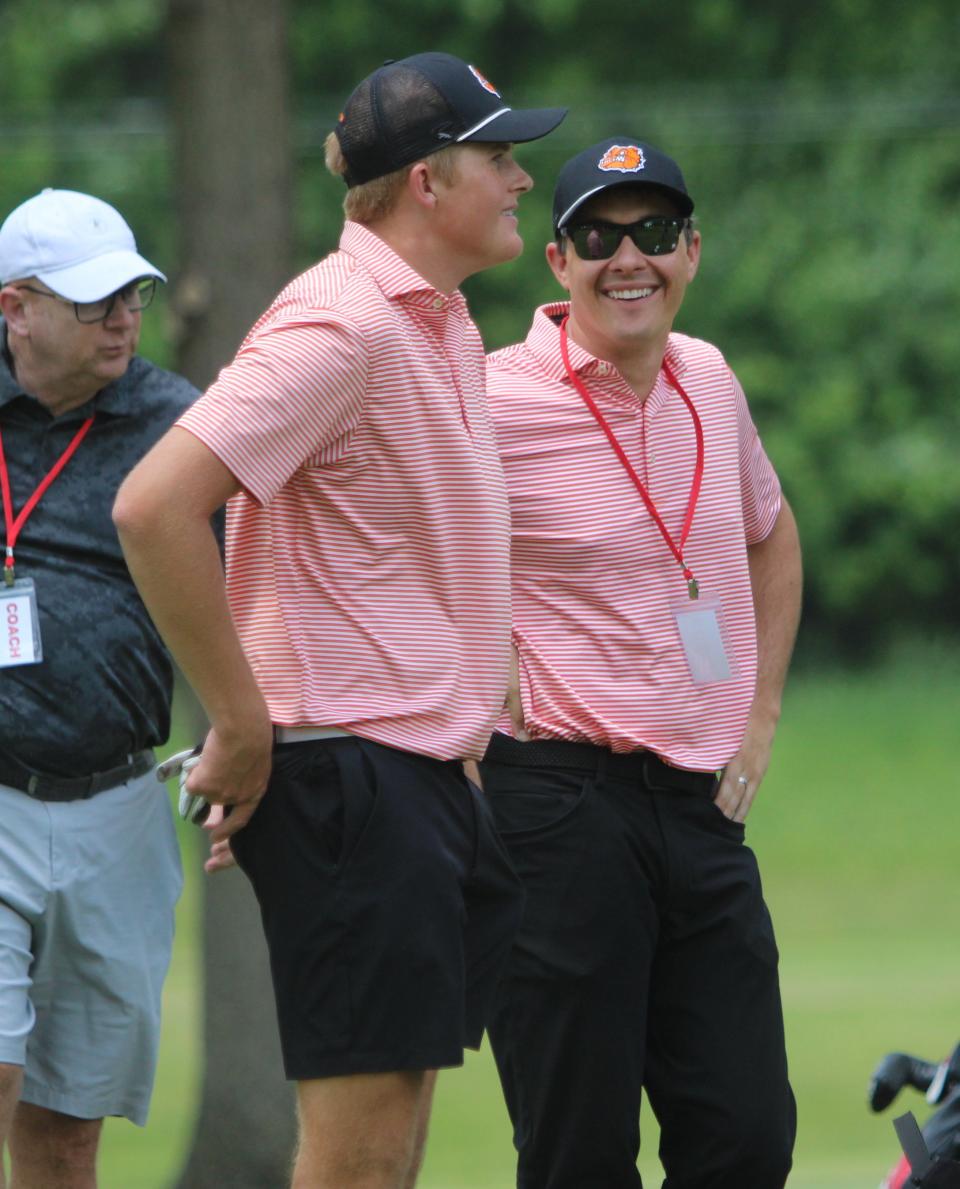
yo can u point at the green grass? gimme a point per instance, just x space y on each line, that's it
856 830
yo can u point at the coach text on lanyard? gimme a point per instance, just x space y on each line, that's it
20 642
699 619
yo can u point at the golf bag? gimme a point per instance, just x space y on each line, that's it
931 1157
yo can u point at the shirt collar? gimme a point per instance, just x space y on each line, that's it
117 399
674 355
392 273
543 340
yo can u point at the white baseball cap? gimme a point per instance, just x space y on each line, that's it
78 245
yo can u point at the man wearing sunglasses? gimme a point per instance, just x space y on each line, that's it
656 592
89 866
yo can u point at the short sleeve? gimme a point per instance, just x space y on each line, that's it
759 485
294 392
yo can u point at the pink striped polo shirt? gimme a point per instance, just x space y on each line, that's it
601 659
368 553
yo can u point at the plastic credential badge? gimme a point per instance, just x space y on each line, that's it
702 633
20 638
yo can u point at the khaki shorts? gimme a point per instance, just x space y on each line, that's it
87 892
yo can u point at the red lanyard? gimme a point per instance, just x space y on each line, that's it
14 525
675 549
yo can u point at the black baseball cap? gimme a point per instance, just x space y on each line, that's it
409 109
617 161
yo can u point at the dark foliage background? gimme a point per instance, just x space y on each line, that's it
820 141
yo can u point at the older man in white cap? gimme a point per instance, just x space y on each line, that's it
89 868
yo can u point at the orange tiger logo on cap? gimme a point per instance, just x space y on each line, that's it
485 83
622 158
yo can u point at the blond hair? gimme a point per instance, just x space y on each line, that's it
375 199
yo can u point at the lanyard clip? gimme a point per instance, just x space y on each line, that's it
8 573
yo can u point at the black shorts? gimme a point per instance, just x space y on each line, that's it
388 903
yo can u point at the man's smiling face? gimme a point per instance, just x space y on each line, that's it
629 302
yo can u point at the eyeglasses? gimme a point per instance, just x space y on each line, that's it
136 297
655 236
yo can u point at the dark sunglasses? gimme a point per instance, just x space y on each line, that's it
655 236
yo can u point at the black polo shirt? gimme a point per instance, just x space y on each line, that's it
103 688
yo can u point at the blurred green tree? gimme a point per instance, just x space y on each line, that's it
232 170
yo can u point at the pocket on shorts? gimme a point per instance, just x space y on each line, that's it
527 802
306 776
331 793
359 797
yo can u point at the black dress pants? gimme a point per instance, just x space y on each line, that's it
646 960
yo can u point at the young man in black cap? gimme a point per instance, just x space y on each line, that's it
360 648
656 594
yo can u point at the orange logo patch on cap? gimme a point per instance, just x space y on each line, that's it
622 158
485 83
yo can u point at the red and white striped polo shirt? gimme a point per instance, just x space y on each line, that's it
368 554
593 580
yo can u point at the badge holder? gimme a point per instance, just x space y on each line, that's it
20 642
705 641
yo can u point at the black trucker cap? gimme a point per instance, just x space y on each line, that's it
617 161
409 109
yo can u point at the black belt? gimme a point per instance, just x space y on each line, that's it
636 765
72 788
